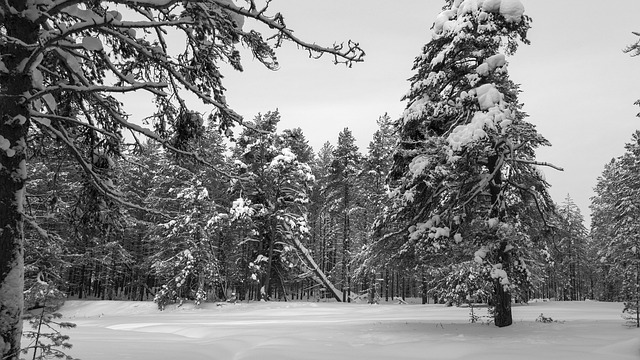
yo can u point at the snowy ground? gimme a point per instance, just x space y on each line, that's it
310 331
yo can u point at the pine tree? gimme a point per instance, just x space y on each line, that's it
465 176
374 196
342 192
324 223
615 210
567 256
272 195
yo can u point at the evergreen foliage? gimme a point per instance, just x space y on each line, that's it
465 177
615 228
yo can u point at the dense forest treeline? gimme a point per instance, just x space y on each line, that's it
228 233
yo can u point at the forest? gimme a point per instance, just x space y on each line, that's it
448 203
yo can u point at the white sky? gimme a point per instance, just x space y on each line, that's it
578 86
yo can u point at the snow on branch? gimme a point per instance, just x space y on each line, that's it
94 88
634 49
539 163
342 54
96 180
46 119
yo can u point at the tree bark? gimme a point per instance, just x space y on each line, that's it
502 297
14 124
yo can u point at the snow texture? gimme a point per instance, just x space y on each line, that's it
492 63
493 115
241 208
453 20
4 143
488 96
91 43
512 10
11 298
418 164
585 330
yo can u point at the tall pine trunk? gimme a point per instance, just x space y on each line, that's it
267 282
502 297
14 124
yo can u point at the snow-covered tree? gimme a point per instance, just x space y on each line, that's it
465 176
272 195
65 62
572 250
615 229
342 193
373 197
322 220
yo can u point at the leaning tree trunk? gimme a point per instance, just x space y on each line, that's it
320 275
15 83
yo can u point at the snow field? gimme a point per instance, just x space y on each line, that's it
304 330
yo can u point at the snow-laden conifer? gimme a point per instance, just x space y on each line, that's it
465 177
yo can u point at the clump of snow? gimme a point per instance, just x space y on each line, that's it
418 164
416 109
468 7
498 273
480 255
512 10
491 6
241 208
488 96
492 63
441 19
5 144
286 157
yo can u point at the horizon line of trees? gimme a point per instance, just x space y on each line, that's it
234 240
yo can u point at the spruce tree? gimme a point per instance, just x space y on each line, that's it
342 191
616 208
465 177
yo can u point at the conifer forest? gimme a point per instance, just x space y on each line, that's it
448 204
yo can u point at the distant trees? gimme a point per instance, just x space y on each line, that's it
568 272
272 191
615 229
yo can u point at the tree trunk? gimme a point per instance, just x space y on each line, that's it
267 280
320 276
502 297
14 125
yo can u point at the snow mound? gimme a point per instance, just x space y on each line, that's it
512 10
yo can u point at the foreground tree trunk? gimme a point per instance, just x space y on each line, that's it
502 312
15 83
502 308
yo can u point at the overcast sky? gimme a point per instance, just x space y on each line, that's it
578 86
